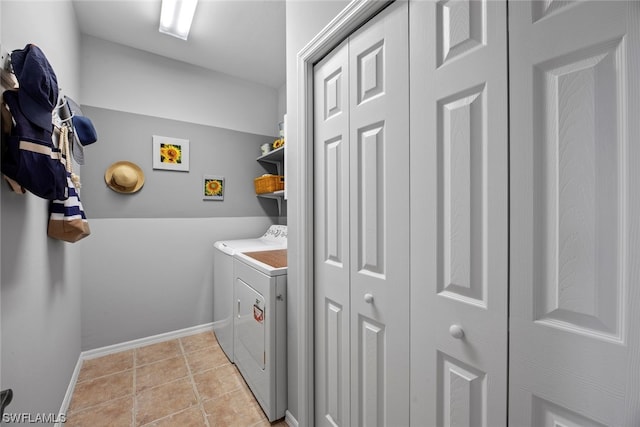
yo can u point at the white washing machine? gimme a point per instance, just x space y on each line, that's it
261 327
223 277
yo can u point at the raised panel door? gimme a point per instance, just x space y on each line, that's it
459 213
575 200
379 188
331 230
361 184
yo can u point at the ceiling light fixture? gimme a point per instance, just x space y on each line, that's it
176 17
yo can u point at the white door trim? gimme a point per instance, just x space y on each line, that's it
348 20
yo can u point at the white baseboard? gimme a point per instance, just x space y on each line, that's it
128 345
290 419
72 385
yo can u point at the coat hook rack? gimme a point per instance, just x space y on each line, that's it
5 398
8 79
4 59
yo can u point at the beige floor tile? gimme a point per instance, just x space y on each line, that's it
199 341
232 421
208 358
159 351
115 413
106 365
156 373
216 382
166 399
236 408
103 389
251 414
191 417
268 424
243 396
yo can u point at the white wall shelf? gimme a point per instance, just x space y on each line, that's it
274 157
278 196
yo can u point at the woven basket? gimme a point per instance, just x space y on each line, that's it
269 183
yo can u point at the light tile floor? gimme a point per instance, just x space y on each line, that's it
184 382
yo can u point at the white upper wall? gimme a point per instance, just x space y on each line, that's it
37 22
125 79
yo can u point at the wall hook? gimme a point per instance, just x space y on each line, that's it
6 396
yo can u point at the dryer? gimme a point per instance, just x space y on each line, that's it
261 327
223 277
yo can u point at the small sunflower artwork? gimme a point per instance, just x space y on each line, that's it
213 187
170 153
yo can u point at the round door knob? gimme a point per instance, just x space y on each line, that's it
368 298
456 331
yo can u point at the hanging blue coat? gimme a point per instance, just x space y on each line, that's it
30 157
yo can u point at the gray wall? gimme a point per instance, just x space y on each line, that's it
40 280
304 21
171 194
149 276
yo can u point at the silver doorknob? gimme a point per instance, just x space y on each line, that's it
456 331
368 298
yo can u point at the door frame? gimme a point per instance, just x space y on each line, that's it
346 22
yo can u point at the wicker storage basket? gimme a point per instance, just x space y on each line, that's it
269 183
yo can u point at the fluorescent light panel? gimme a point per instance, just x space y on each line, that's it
176 17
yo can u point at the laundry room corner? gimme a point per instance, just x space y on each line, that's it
148 267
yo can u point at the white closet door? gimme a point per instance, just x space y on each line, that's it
361 99
332 257
575 213
379 136
459 213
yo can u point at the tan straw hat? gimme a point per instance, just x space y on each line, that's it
124 177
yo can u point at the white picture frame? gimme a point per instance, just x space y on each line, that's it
212 187
170 153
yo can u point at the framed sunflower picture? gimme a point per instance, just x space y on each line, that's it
213 187
170 153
